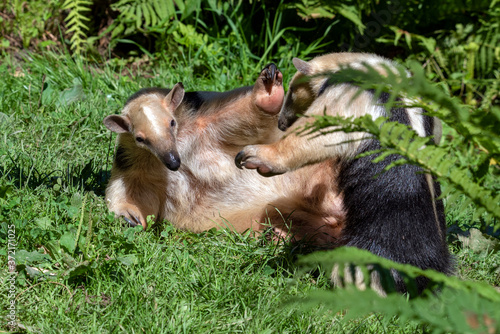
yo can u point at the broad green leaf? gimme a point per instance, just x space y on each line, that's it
44 222
24 257
67 241
479 242
128 259
72 94
78 270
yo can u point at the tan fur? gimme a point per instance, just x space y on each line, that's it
131 193
295 151
208 190
215 194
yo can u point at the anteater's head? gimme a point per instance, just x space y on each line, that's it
312 80
149 118
303 90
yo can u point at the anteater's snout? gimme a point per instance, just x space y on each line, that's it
285 122
282 124
172 160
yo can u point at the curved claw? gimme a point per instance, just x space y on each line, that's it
271 71
129 222
238 159
268 89
252 162
271 75
133 221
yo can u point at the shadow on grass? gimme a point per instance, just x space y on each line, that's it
90 177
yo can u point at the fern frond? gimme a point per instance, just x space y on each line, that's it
318 9
75 22
349 255
488 37
460 306
399 139
451 162
432 97
143 15
452 312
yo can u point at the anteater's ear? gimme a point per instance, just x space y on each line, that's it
174 98
117 123
302 66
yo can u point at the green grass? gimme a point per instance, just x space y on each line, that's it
55 158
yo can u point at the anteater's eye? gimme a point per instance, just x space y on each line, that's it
172 123
139 139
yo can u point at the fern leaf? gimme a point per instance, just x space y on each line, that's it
170 8
399 139
160 8
348 255
451 312
146 14
152 14
475 127
75 21
138 17
460 306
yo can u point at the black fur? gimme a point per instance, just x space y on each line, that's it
391 213
429 125
396 114
122 160
428 121
195 100
327 83
149 90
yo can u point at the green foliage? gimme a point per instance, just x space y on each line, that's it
145 16
273 29
352 10
75 22
25 23
463 55
249 30
459 306
478 253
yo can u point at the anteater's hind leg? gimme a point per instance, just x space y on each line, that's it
268 89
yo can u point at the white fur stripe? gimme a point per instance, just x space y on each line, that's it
416 120
430 183
154 122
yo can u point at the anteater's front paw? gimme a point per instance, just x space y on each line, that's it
250 159
132 217
131 221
